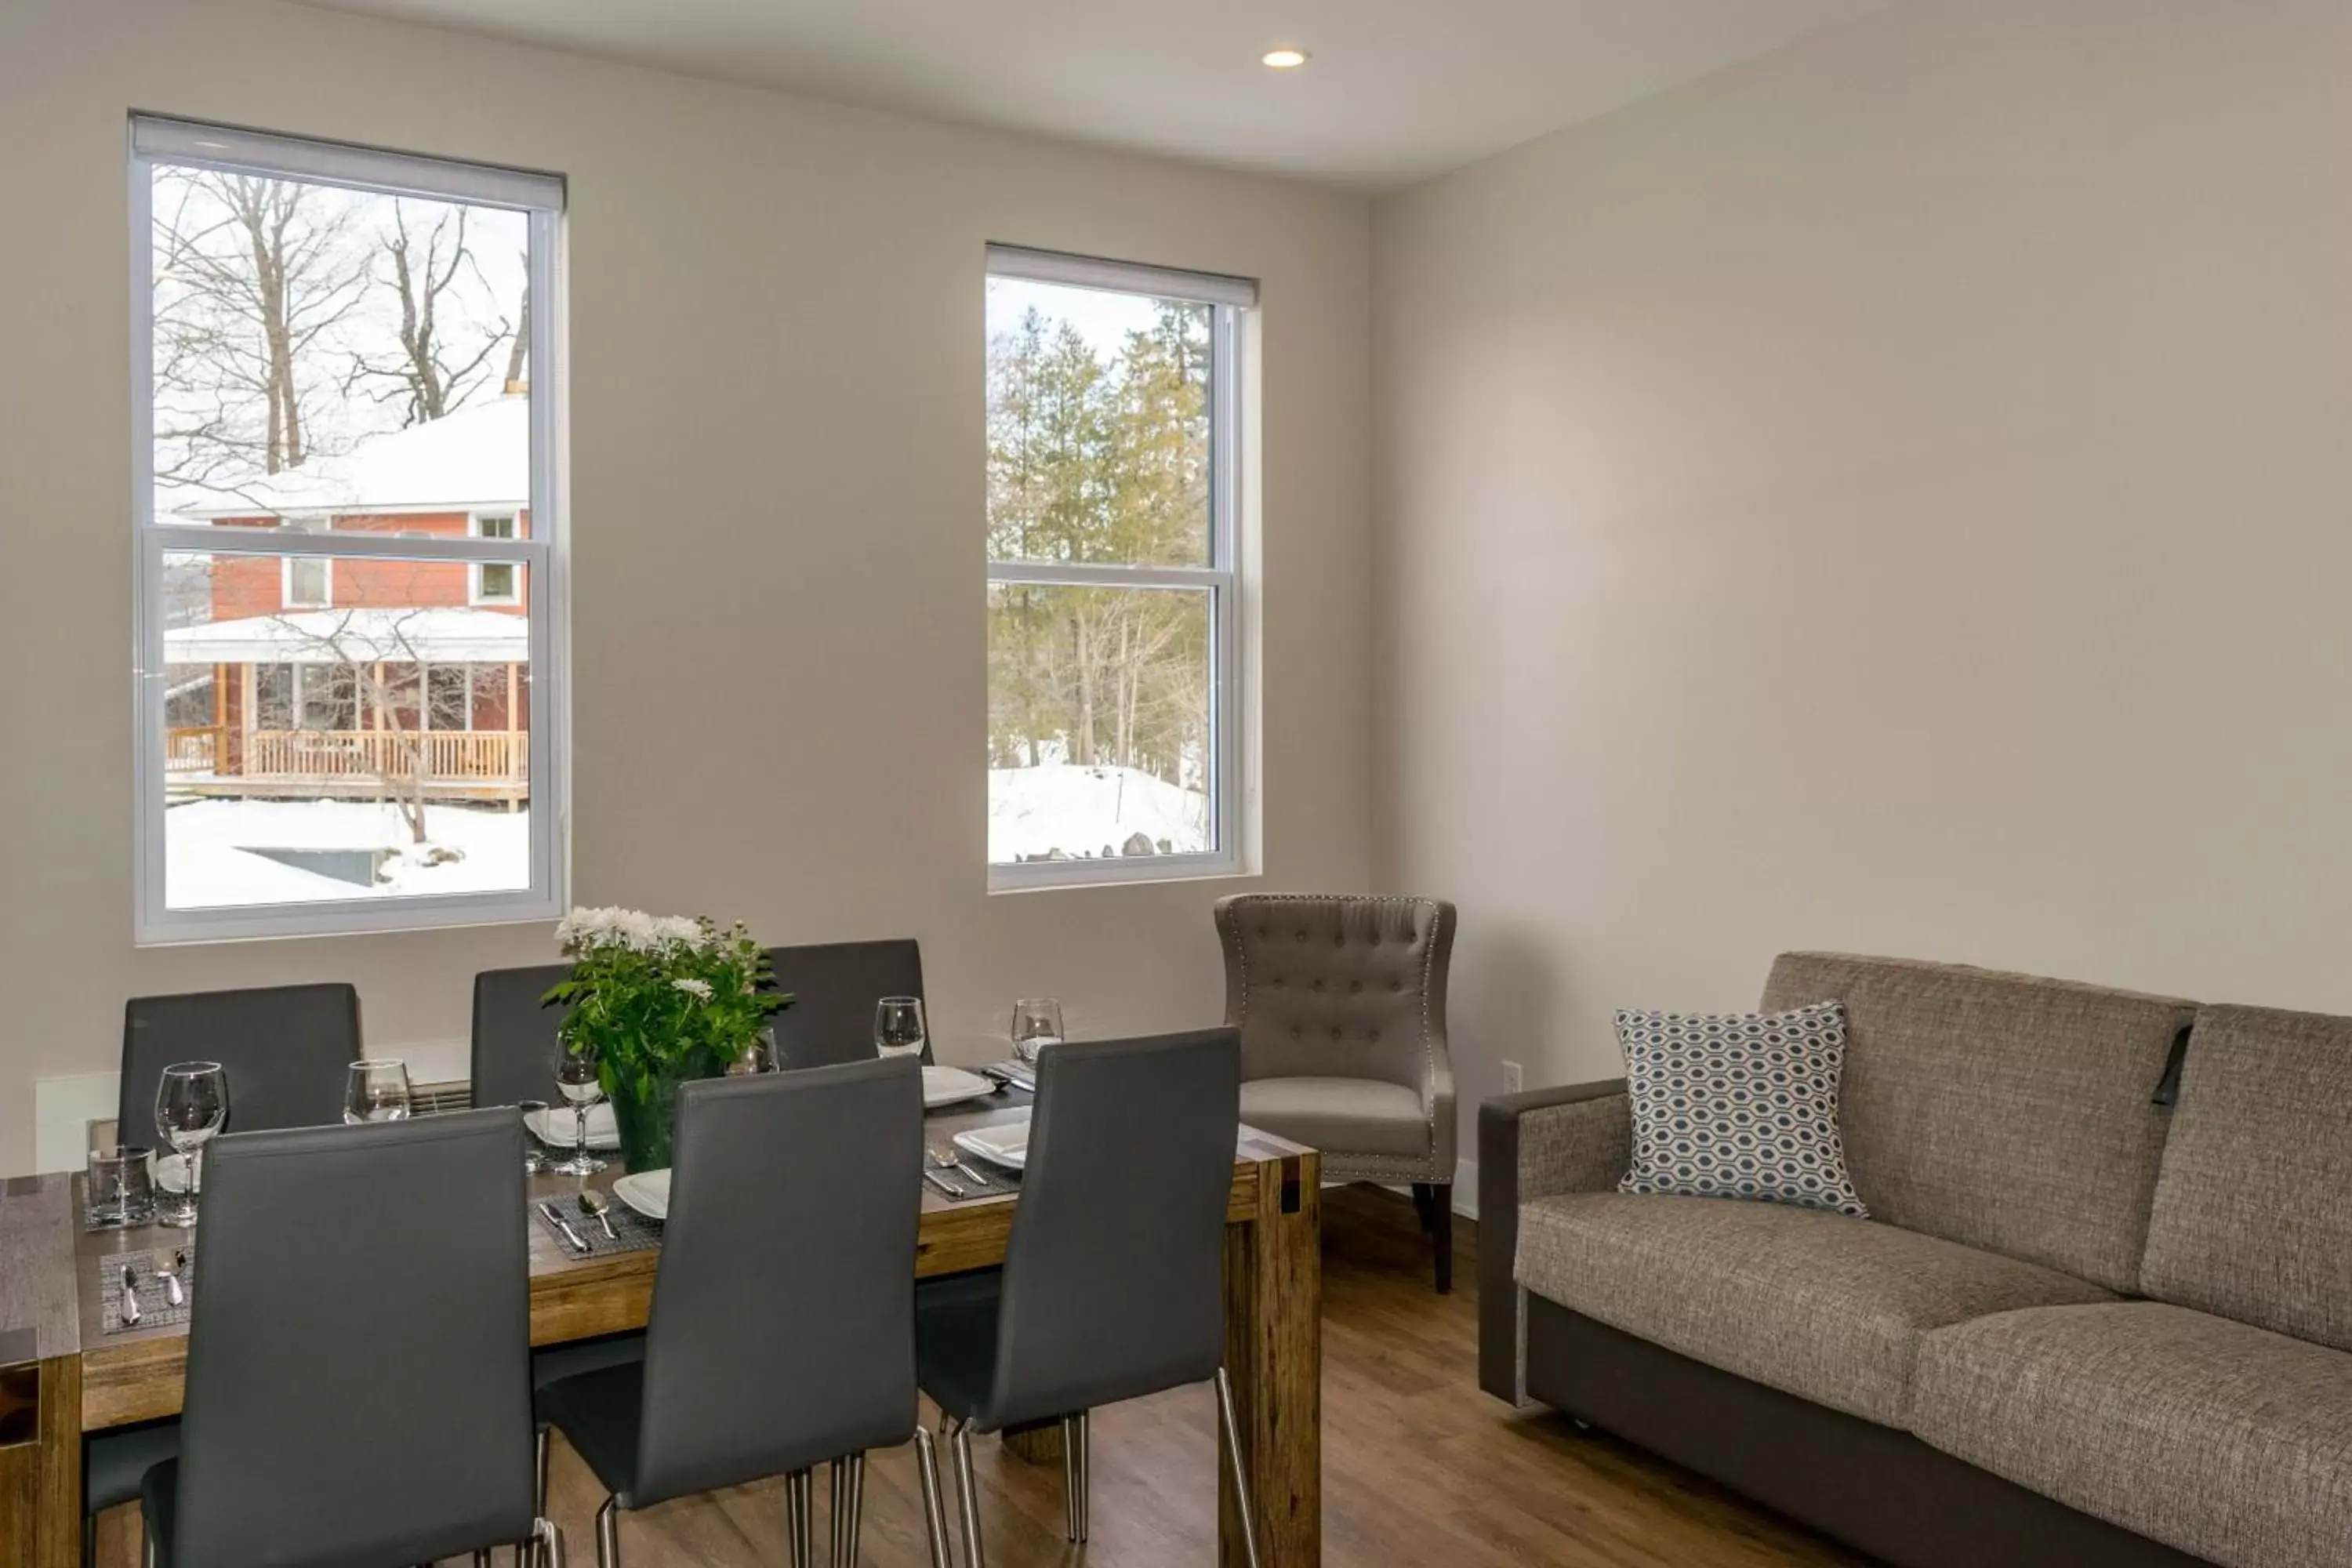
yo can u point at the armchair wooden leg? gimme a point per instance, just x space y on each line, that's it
1434 1203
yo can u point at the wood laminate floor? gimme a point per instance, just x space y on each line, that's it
1419 1468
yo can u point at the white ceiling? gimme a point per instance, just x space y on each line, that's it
1397 91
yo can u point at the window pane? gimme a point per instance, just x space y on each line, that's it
377 748
1097 425
1099 736
330 358
307 580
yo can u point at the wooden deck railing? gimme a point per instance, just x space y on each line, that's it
447 756
443 756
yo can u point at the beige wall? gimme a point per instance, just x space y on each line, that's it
1897 497
776 366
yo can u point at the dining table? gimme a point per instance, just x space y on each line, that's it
64 1373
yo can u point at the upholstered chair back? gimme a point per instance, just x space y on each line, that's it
1337 985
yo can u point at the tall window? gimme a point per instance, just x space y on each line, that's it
348 522
1113 624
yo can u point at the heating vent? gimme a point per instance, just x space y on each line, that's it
433 1099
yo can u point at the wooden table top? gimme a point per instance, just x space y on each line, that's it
46 1259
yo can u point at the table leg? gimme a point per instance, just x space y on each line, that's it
1037 1443
40 1464
1274 1353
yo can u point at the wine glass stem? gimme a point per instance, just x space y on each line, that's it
580 1130
196 1173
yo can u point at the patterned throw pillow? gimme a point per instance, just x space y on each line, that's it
1739 1106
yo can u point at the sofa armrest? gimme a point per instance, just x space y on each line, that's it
1578 1138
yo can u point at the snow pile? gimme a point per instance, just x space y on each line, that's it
211 860
1032 812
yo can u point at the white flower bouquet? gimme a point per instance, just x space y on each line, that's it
659 999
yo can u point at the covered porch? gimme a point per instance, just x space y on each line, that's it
352 704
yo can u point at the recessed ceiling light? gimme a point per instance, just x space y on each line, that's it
1285 59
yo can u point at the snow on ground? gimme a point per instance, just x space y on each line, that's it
209 863
1032 811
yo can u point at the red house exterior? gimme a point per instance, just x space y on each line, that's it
343 678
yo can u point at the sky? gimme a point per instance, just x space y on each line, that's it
1103 318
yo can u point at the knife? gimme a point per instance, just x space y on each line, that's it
130 1295
947 1188
557 1220
973 1177
170 1274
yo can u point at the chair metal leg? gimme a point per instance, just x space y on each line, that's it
800 1518
608 1534
538 1470
935 1519
848 1507
482 1558
147 1553
89 1540
549 1542
967 1495
1240 1466
1074 1473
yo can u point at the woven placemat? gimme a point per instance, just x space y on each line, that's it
155 1308
974 1178
635 1231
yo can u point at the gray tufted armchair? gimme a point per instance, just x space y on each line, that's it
1340 1002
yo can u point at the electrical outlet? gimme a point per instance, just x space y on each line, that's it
1515 1077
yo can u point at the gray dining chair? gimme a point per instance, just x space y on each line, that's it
514 1041
833 986
514 1048
781 1334
1111 1286
358 1377
286 1049
1340 1002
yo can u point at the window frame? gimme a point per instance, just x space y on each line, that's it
155 141
474 595
286 599
1230 299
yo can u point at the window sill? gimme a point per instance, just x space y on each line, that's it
357 917
1120 871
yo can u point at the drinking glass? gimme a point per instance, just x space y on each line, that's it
576 1079
120 1190
534 1152
1036 1023
898 1027
191 1106
376 1091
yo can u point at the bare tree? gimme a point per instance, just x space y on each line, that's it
438 364
250 275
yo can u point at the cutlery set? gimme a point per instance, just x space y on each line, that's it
171 1272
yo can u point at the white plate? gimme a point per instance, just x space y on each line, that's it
170 1172
647 1191
554 1126
952 1086
1007 1145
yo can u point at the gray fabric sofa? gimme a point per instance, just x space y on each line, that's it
2101 1314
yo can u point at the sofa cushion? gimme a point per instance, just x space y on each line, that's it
1999 1110
1345 1115
2253 1210
1820 1306
1738 1106
2232 1443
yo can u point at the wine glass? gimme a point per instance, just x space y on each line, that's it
577 1079
191 1106
377 1090
534 1119
1036 1023
898 1027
